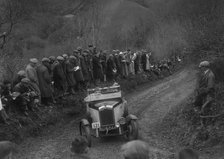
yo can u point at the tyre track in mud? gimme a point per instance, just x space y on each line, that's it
150 104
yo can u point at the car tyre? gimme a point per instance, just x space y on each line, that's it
132 133
85 132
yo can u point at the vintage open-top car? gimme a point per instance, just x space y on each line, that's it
107 115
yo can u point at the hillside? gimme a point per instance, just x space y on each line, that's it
53 27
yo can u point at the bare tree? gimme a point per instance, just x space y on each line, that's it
11 12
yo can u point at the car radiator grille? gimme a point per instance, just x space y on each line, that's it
106 117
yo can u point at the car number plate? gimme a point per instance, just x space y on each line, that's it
96 125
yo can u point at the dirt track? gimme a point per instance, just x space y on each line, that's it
150 104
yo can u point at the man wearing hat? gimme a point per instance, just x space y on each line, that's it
103 61
84 69
45 81
28 96
135 150
79 62
206 87
53 62
65 56
111 69
19 76
59 77
97 69
90 46
88 60
31 73
31 70
79 49
70 66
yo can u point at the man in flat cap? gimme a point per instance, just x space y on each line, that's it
65 56
84 69
79 63
111 69
19 76
53 62
135 150
97 69
45 81
70 74
88 61
79 48
31 70
59 78
206 87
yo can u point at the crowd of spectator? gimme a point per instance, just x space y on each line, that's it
136 149
47 81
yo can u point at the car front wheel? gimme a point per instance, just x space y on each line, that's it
132 133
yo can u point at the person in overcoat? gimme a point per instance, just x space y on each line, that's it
31 74
70 69
59 78
45 81
206 88
111 69
97 68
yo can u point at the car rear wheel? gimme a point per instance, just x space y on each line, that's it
132 133
85 132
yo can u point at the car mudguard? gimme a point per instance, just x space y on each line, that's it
131 117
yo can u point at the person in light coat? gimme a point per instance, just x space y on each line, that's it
31 74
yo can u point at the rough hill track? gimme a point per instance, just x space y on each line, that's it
151 104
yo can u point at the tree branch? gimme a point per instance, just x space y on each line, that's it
212 116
